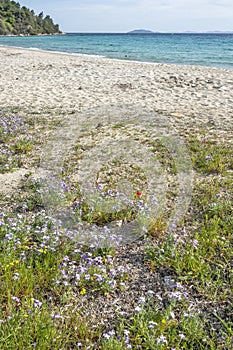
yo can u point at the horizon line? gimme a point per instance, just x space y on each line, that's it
150 32
156 32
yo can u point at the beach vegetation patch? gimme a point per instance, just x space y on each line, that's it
16 142
170 289
209 157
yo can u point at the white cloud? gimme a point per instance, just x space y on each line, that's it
222 3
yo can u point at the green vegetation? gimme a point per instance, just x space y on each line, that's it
52 285
16 142
17 20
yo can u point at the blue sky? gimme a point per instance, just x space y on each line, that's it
125 15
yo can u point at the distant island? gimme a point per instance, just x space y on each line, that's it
140 31
17 20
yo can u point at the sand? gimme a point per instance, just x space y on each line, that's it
189 95
195 99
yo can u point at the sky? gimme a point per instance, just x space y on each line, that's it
117 16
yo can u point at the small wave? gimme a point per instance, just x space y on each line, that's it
52 51
85 55
33 48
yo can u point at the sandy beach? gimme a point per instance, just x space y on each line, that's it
191 96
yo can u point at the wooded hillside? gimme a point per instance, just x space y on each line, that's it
16 20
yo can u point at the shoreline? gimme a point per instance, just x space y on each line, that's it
75 54
58 52
28 35
126 59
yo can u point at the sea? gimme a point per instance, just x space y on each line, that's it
202 49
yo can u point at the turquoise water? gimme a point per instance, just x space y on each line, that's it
214 50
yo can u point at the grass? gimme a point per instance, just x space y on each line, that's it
47 279
209 158
14 141
153 329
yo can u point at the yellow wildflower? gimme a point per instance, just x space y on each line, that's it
83 291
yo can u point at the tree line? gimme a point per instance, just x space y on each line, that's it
17 20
